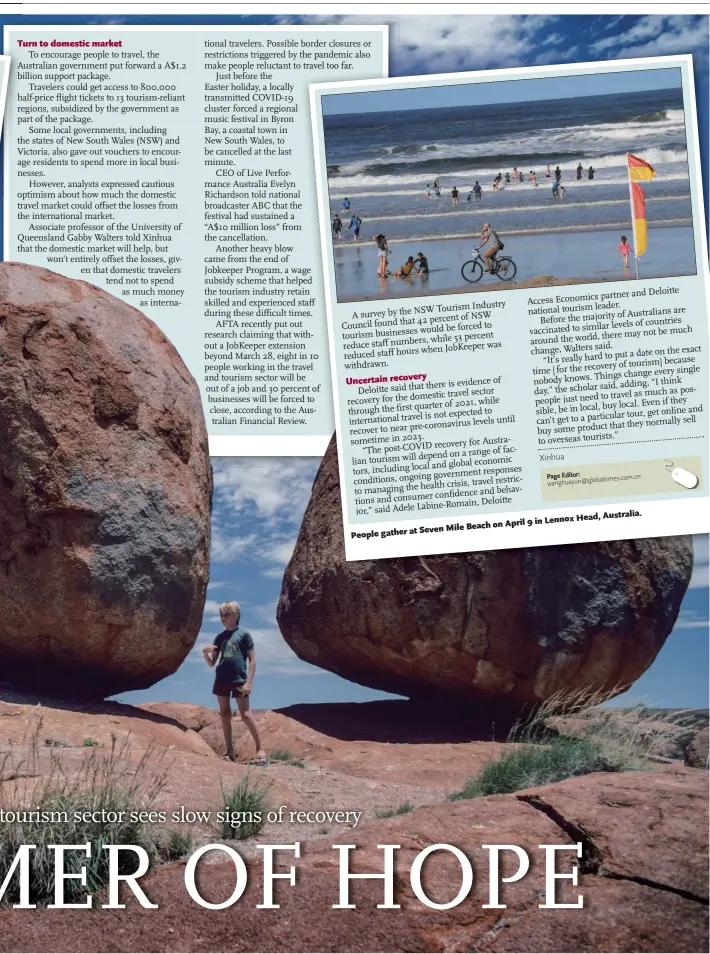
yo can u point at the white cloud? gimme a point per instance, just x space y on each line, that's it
273 572
658 36
281 552
692 621
258 507
450 43
272 488
211 610
226 547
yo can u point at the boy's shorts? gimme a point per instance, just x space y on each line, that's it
227 689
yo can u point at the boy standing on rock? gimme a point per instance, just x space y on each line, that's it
235 647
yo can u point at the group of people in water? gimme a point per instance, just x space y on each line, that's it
337 223
517 175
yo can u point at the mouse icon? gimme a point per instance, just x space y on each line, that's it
684 477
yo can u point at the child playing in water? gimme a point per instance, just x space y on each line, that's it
405 270
624 249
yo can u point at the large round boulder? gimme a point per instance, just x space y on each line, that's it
105 491
507 627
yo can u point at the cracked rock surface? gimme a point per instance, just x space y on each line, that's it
506 627
105 491
643 872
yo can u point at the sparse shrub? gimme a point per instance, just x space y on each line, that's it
108 783
173 845
246 808
538 764
403 809
282 755
298 763
594 739
90 743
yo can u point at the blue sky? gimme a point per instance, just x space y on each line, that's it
259 503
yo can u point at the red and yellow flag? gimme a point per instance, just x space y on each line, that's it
639 169
638 212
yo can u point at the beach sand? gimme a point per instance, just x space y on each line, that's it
543 260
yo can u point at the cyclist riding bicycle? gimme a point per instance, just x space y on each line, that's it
491 242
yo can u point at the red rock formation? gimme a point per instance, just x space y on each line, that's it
696 755
105 491
508 628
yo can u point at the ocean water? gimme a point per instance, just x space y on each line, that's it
382 162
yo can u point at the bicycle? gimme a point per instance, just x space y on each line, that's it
504 267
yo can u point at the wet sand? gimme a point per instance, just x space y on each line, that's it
542 260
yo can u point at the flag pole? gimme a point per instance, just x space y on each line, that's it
631 207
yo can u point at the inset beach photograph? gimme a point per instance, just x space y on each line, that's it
449 189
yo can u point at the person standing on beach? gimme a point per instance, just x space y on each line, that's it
590 174
533 178
428 191
337 226
477 190
580 170
381 242
234 647
556 189
515 174
547 173
562 192
624 250
346 203
454 196
355 223
558 173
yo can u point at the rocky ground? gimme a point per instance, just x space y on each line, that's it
644 835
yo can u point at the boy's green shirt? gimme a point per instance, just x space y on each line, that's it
233 648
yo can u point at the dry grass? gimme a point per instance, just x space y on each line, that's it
35 778
571 734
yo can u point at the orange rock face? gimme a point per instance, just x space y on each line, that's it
509 627
105 491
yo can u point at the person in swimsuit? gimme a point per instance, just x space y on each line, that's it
625 250
454 196
405 270
337 226
384 252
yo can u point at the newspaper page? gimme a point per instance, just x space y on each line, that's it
172 166
519 338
